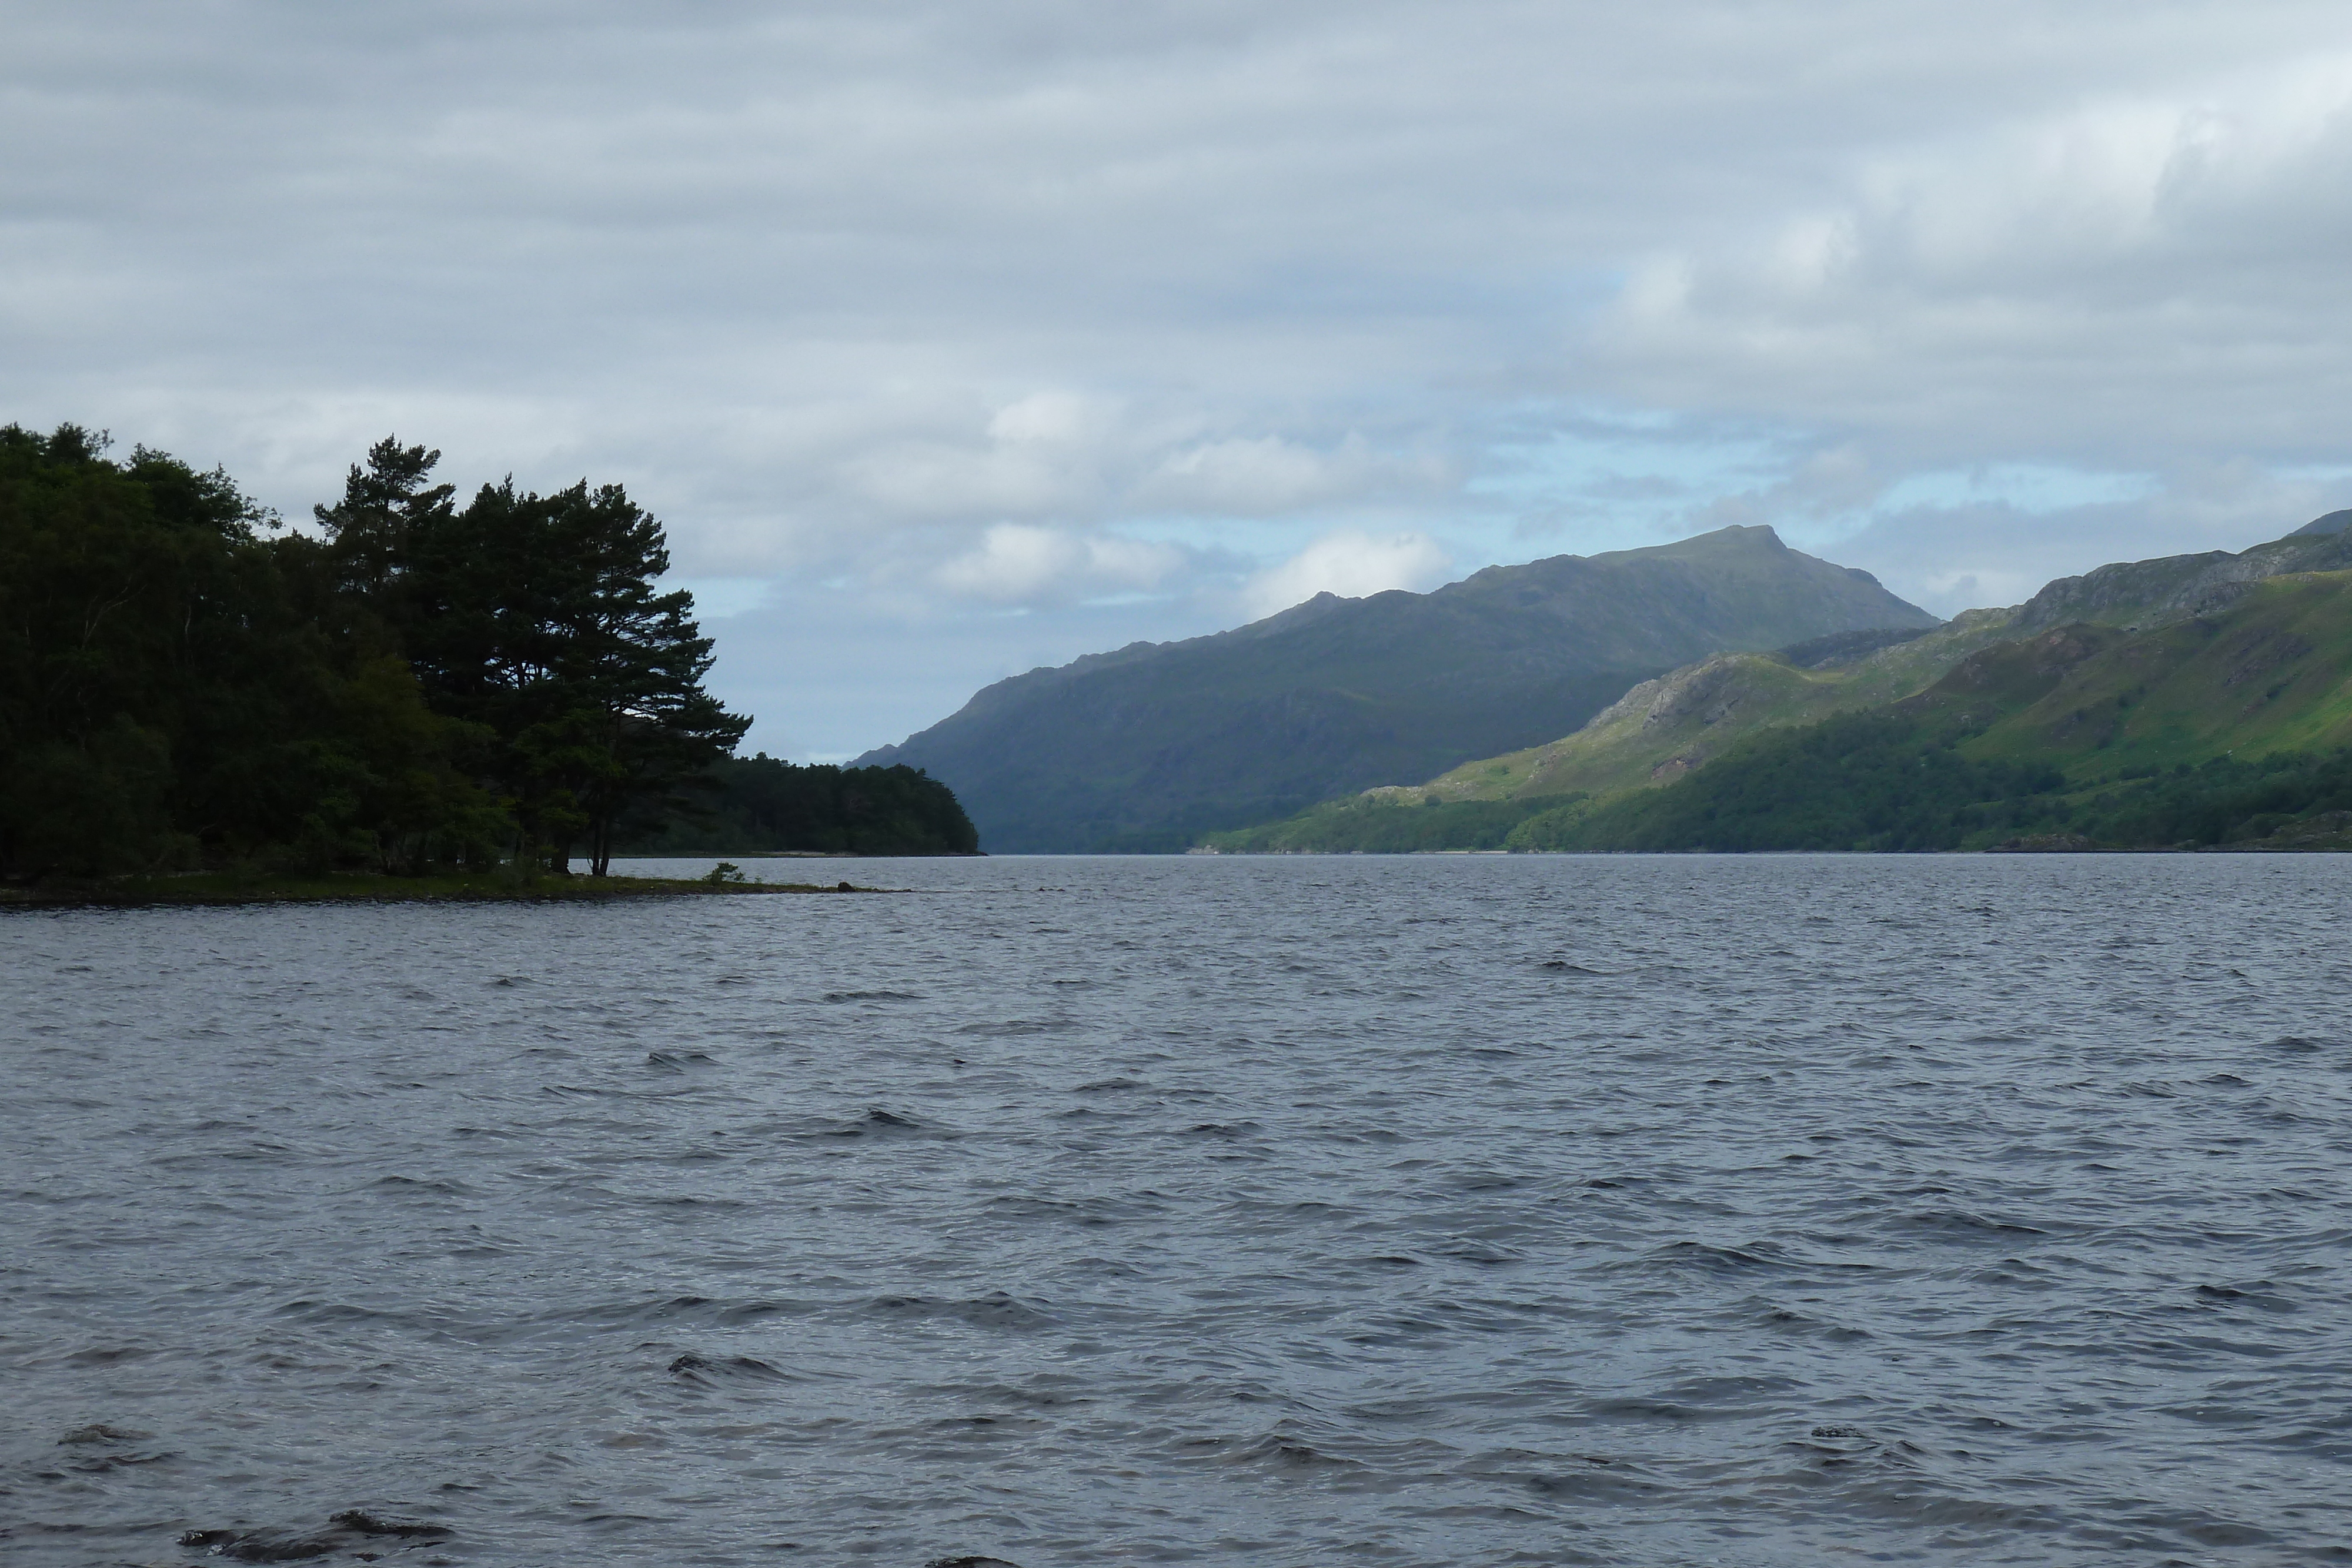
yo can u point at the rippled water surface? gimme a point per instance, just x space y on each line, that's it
1436 1210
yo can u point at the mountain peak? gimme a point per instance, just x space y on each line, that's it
1147 749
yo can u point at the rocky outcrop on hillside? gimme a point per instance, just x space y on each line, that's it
2150 594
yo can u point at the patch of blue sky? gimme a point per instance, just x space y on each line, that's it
1613 480
1117 600
2031 487
1241 544
2313 472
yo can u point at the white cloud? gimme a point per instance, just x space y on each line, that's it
2112 282
1049 418
1350 564
1019 564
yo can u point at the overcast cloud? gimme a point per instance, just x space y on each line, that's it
953 338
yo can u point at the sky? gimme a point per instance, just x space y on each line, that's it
952 338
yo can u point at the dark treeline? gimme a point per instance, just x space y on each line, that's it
421 685
758 803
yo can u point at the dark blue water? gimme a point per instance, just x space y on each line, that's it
1535 1210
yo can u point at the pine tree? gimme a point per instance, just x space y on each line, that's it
386 507
538 616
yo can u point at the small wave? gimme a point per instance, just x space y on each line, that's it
713 1371
876 1122
421 1184
1711 1259
1091 1211
1222 1130
317 1312
1960 1222
346 1532
1482 1252
2263 1294
1604 1481
99 1432
1291 1453
99 1448
994 1310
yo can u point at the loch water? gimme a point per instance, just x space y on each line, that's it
1437 1210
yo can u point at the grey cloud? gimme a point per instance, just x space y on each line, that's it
1283 272
1950 559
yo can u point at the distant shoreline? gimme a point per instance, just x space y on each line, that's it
222 888
800 855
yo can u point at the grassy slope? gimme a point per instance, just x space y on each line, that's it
1664 728
2129 688
1667 727
1659 731
2100 711
2273 673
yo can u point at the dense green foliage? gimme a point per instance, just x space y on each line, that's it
2223 800
172 685
1882 782
1149 748
536 619
181 683
1870 782
1376 827
1857 782
758 804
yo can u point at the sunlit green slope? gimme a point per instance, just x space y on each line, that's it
2160 661
2235 726
2273 672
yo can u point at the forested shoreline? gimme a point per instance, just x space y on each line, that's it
418 685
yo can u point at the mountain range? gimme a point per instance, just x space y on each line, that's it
2098 682
1151 746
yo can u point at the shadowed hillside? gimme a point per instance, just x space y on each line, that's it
1146 749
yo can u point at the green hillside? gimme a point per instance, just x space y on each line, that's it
1148 748
2168 699
2272 674
2235 727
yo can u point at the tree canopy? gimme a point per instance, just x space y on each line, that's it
184 682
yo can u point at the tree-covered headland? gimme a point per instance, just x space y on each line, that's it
415 685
